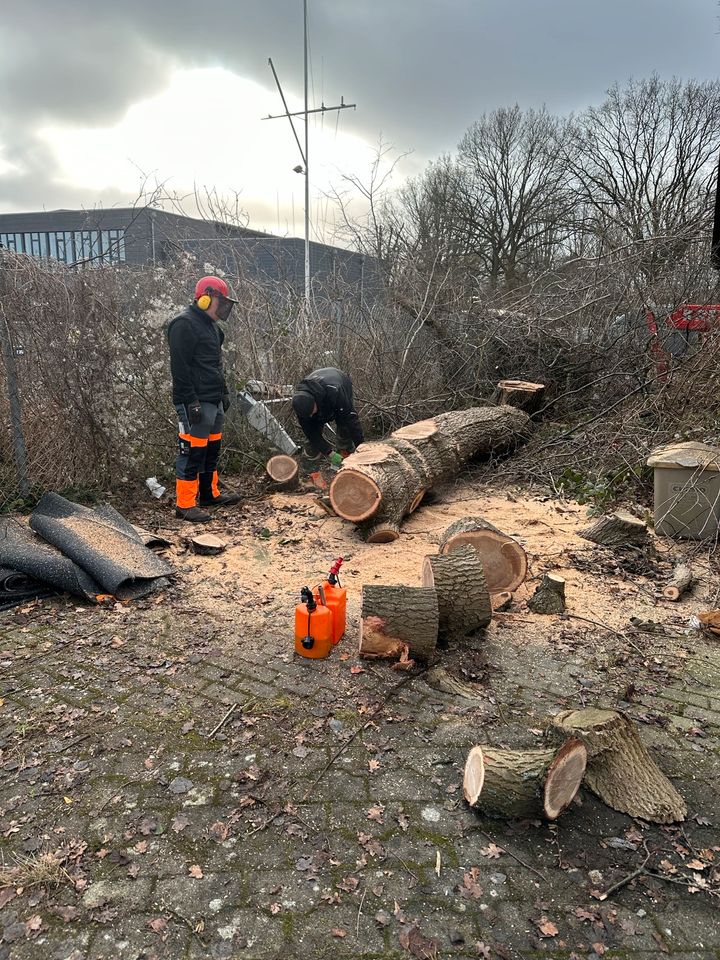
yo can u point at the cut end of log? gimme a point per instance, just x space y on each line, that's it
503 560
354 495
382 533
417 501
283 470
474 776
564 778
501 601
206 544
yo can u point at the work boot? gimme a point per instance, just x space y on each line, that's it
224 500
193 514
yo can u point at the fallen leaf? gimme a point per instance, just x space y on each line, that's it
179 823
470 886
483 951
376 813
357 670
424 948
275 908
546 927
383 918
219 831
134 870
338 932
34 923
66 913
696 865
403 821
493 851
348 884
599 948
583 914
195 872
373 765
158 924
141 846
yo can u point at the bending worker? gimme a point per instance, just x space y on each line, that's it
201 398
326 395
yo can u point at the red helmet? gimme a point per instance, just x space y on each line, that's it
212 287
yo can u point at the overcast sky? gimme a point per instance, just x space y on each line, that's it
99 96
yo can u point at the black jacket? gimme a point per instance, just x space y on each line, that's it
196 357
332 391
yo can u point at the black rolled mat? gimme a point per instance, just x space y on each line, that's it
24 552
103 543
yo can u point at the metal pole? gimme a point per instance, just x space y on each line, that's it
19 450
307 168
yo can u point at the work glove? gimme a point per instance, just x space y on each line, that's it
226 402
335 458
194 412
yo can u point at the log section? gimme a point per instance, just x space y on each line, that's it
620 770
503 560
462 594
398 623
383 482
283 471
524 783
616 530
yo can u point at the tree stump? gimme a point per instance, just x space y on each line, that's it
398 623
383 482
524 783
521 394
207 544
503 560
616 530
682 578
462 594
549 596
283 471
620 770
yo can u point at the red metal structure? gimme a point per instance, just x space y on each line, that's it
689 322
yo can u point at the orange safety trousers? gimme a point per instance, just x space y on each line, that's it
198 455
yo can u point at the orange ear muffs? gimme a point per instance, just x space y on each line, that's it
204 301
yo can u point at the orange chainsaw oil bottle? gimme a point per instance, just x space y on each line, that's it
313 627
335 598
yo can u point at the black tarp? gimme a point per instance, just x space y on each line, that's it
103 544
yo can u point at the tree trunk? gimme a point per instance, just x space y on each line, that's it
398 623
283 471
383 482
462 594
524 783
681 580
620 770
549 597
616 530
503 560
521 394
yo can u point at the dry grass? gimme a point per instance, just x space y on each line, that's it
43 869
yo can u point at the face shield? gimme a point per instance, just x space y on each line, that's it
224 307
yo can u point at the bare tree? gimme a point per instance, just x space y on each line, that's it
643 164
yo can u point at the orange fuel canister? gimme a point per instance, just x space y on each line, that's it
313 627
334 597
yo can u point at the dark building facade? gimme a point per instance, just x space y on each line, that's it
141 236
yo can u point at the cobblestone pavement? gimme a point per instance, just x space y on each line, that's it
325 817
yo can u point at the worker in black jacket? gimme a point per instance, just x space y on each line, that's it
326 395
201 398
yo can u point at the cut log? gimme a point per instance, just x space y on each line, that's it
207 544
283 471
383 482
524 783
616 530
549 596
521 394
501 601
682 578
398 623
503 560
620 770
462 594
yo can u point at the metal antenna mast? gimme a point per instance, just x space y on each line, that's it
304 154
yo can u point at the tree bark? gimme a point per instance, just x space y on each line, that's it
462 594
616 530
283 471
503 560
620 770
549 596
440 679
398 623
524 783
383 482
521 394
681 580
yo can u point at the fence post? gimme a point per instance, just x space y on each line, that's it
18 440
